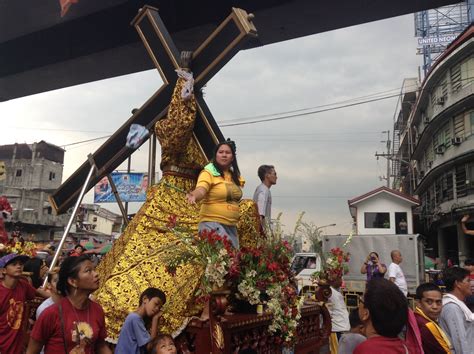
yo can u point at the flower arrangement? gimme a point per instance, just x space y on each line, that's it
206 250
335 264
259 275
23 248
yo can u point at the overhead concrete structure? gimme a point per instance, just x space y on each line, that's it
41 50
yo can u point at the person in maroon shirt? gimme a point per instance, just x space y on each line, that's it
76 324
14 292
429 302
384 312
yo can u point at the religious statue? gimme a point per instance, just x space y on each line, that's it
133 264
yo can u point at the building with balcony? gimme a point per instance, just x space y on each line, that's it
95 221
434 149
32 173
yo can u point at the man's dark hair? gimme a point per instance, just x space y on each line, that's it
150 293
469 262
354 318
423 288
69 269
263 170
387 306
79 246
451 275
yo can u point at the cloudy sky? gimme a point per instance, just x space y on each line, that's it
322 159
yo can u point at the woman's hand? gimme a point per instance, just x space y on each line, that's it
465 218
190 198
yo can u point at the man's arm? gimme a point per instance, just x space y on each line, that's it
452 322
391 273
464 219
262 198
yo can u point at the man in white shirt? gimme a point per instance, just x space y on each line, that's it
262 195
395 273
456 319
339 314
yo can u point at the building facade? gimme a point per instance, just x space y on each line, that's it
98 222
32 173
383 211
434 152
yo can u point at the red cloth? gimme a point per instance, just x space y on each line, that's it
47 329
413 336
430 344
12 306
383 345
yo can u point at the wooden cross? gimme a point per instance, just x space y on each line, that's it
233 33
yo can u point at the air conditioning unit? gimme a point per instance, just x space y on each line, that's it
457 140
440 150
426 119
441 100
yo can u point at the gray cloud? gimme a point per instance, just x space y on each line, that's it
322 159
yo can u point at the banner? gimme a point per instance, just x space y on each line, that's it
131 187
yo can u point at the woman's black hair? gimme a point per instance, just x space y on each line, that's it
234 170
375 254
33 265
388 307
69 269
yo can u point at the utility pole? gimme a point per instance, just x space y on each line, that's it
387 155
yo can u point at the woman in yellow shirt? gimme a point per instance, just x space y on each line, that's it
218 187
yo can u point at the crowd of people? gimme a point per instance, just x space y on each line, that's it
441 321
70 321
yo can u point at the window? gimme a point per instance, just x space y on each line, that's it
52 176
18 173
459 125
377 220
471 120
461 188
401 224
462 74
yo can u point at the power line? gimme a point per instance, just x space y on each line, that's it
373 95
307 113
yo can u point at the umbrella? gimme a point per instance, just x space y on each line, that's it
429 263
89 245
105 249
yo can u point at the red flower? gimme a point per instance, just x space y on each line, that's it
273 266
172 219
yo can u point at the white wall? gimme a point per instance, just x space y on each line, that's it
383 203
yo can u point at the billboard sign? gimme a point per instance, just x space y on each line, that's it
131 187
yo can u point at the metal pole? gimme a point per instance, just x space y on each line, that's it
117 198
129 165
71 219
388 158
151 160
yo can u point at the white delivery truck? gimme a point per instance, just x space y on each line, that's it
410 246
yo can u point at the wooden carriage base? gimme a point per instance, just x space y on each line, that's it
233 333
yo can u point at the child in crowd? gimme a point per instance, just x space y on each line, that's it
134 338
53 277
350 340
14 292
164 344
